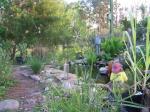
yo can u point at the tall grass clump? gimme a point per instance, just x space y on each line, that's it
86 98
147 60
36 64
132 56
140 79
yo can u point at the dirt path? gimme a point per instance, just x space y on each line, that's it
26 91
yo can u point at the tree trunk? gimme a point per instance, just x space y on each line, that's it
13 52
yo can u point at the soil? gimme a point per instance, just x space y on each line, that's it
27 91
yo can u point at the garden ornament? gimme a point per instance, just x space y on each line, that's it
97 42
66 69
117 73
116 68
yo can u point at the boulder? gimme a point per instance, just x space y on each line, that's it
9 105
35 77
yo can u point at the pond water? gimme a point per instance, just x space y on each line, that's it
83 70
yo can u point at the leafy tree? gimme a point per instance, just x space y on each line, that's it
143 10
44 22
30 21
96 11
126 24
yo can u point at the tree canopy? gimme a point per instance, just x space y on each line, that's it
46 22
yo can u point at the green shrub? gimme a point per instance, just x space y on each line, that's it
5 72
36 65
126 24
113 46
106 56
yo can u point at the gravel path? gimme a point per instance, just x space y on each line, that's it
26 91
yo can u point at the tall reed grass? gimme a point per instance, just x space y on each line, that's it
131 54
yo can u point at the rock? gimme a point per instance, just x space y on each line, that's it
36 94
145 109
24 67
103 70
68 85
31 101
42 71
26 110
42 81
44 110
35 77
67 95
9 105
44 99
48 73
58 67
25 75
49 80
47 88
